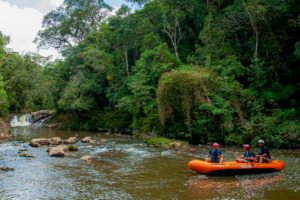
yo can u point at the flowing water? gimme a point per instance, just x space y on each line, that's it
137 172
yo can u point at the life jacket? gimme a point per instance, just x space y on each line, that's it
214 154
249 154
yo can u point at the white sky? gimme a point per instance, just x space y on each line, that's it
22 19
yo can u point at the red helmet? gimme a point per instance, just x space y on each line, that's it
247 146
215 145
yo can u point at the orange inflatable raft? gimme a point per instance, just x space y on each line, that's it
233 167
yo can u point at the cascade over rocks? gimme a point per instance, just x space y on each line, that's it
41 114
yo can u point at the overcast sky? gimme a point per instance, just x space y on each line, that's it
22 19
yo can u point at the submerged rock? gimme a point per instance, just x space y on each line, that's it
6 169
93 142
86 139
41 114
40 141
56 140
27 155
103 140
71 140
57 151
90 158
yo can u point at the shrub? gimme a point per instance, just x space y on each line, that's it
117 120
73 147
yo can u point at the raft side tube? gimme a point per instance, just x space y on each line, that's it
234 167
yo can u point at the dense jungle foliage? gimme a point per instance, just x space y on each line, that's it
195 70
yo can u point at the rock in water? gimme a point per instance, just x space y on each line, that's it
175 144
103 140
64 147
86 139
71 140
93 142
90 158
23 150
41 114
40 141
56 140
57 151
6 169
27 155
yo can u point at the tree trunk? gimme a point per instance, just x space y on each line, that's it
176 52
126 61
209 14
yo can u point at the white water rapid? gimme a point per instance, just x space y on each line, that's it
24 120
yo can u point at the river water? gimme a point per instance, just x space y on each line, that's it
139 172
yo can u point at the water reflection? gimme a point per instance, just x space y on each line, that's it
207 187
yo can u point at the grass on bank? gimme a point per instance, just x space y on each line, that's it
165 142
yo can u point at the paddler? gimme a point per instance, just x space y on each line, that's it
263 154
215 155
249 156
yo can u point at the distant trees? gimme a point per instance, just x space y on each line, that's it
71 22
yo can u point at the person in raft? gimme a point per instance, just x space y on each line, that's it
263 154
215 154
249 156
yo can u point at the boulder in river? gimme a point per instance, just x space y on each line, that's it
64 147
89 158
56 140
86 139
6 169
175 144
40 141
27 155
41 114
71 140
103 140
57 151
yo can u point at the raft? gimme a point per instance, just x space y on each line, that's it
233 167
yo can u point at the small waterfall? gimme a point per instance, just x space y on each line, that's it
24 120
40 122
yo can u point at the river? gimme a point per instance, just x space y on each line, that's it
139 172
